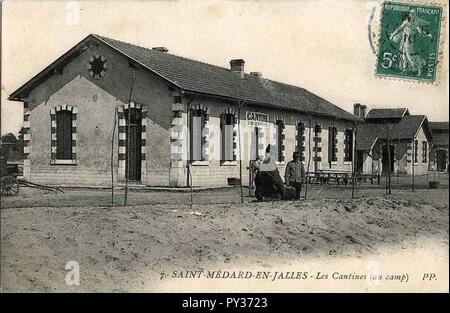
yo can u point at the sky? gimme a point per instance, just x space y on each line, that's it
322 46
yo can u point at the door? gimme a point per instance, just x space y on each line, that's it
134 135
359 161
385 159
254 160
441 160
254 144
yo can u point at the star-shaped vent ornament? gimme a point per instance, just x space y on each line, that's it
97 66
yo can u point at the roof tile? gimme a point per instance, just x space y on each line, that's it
405 129
386 113
205 78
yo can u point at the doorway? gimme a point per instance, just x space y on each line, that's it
134 144
359 161
441 160
254 143
385 159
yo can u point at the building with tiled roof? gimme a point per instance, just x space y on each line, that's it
108 110
440 151
408 136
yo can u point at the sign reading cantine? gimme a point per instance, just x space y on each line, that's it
256 119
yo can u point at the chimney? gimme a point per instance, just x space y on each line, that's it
357 109
160 49
363 111
257 74
237 66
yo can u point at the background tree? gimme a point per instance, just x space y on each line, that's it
15 145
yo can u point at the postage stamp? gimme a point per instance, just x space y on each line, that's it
409 41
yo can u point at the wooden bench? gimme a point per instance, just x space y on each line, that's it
326 177
362 177
340 177
336 176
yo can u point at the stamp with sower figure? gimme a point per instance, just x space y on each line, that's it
409 41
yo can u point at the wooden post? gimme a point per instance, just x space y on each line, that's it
309 156
127 154
354 159
240 155
428 164
240 104
188 151
413 161
389 159
112 156
398 161
127 158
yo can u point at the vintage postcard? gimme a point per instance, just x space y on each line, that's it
224 146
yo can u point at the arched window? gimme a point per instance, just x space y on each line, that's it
332 144
198 119
416 151
348 146
227 122
64 135
424 151
280 136
317 148
301 140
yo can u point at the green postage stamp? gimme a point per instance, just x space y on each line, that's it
409 41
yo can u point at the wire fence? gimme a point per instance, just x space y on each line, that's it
403 181
184 198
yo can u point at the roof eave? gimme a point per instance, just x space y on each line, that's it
18 94
269 105
428 132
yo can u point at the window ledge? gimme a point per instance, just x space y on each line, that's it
334 163
229 163
63 162
200 163
347 162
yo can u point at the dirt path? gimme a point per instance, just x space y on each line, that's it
127 248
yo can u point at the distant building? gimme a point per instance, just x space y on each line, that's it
439 152
176 119
408 137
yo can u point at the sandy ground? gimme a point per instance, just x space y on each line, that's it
128 248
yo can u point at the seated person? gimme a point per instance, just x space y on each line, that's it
268 180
